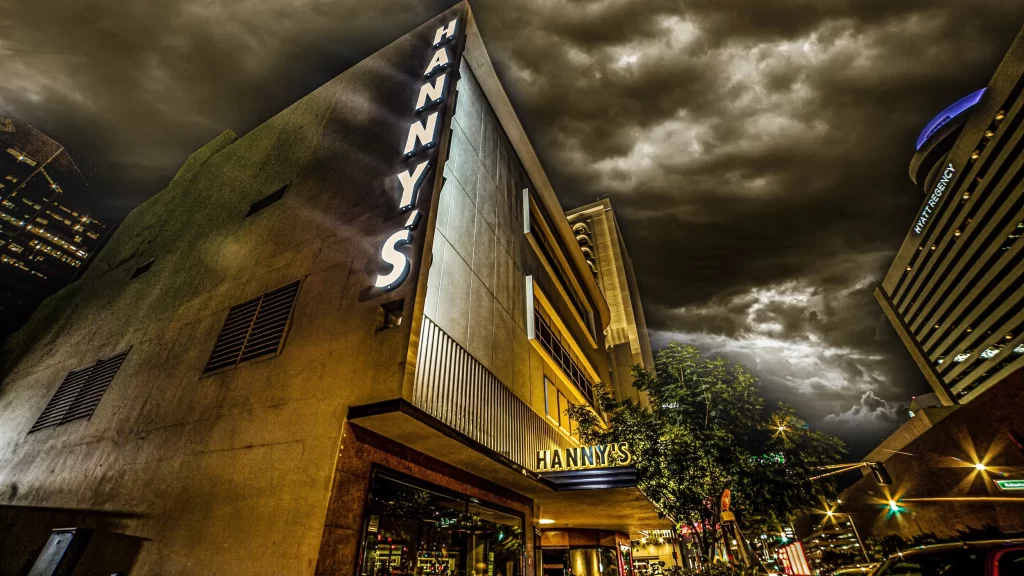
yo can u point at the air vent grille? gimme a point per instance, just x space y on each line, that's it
254 328
80 393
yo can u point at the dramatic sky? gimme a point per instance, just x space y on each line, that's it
756 151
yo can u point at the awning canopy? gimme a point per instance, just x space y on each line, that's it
605 499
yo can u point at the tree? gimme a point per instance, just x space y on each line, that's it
707 429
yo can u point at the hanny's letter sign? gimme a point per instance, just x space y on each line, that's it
583 457
421 139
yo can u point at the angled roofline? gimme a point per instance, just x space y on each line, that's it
479 63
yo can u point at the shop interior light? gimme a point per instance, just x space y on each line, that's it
545 521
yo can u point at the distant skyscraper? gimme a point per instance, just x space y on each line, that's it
953 292
598 234
44 243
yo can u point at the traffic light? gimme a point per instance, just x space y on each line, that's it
880 473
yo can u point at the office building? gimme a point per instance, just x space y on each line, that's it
44 242
601 241
834 537
953 292
954 296
342 343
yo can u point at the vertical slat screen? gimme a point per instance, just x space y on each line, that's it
452 386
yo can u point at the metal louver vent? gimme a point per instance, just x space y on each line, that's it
254 328
79 393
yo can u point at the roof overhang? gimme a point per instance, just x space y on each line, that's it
605 499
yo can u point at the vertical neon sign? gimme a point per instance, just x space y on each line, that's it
422 137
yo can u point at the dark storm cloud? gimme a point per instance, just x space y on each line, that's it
132 87
757 154
756 151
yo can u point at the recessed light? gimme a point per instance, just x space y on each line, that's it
545 521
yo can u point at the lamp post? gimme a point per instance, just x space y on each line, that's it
863 550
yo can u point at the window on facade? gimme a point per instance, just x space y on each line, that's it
558 348
254 329
142 269
79 393
414 529
266 201
556 406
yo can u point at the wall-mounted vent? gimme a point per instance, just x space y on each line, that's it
142 269
266 201
254 328
79 393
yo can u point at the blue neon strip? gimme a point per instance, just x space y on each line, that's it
948 114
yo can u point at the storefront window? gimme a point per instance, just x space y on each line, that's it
582 562
418 531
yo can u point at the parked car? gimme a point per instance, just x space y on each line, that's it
984 558
856 570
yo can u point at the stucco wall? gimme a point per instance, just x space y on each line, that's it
229 473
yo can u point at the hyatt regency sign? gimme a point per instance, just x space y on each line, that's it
583 457
933 200
422 137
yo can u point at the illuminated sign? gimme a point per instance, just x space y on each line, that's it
1010 484
422 137
793 560
933 200
948 114
583 457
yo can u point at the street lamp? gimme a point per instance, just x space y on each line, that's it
832 514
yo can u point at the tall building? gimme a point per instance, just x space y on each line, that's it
954 296
343 343
834 536
604 248
44 243
953 292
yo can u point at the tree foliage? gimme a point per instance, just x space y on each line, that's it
706 429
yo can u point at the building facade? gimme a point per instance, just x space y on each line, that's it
601 241
954 296
343 343
953 291
834 538
44 243
960 475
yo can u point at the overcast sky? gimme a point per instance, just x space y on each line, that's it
756 152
